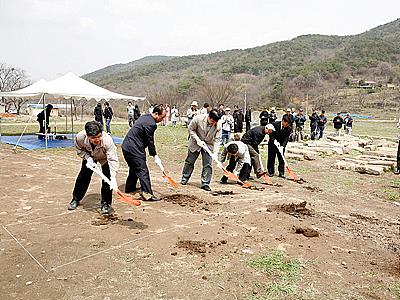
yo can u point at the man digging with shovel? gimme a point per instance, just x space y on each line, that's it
94 145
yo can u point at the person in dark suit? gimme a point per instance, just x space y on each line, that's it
281 134
138 138
98 114
43 119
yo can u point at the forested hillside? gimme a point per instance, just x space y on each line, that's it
307 70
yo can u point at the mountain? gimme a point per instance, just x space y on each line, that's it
113 69
288 69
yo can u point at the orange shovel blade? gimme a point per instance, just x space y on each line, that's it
170 180
128 199
267 180
291 174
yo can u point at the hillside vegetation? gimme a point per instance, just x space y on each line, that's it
307 70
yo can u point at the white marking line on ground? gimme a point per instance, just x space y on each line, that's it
143 237
34 220
25 250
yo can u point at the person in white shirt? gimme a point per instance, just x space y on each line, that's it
205 109
238 156
227 123
174 115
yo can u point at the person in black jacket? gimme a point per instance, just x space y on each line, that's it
264 115
238 118
108 113
247 119
138 138
98 114
337 123
43 119
272 116
313 123
252 139
321 121
281 134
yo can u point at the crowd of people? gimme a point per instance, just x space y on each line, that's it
209 129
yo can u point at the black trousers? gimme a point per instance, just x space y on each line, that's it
248 126
272 153
137 170
398 156
83 180
244 172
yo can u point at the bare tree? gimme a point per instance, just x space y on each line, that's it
12 79
217 92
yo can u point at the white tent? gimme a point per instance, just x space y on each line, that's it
68 86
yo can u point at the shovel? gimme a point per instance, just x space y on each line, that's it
123 198
265 177
290 172
165 176
228 174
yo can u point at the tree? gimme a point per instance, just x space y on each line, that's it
217 91
12 79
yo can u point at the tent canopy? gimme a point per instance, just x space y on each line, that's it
68 86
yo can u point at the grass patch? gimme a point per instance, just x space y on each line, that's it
395 290
284 271
391 195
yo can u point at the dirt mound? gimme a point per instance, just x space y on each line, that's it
306 231
217 193
313 188
189 201
198 246
294 209
105 220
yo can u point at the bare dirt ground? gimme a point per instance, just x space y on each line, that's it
194 244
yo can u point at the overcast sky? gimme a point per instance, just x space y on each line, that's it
48 38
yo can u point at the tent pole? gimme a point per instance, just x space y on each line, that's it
45 121
66 116
72 117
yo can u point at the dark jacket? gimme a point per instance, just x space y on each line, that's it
264 115
98 114
348 122
136 113
108 112
321 121
280 134
140 136
41 117
254 137
337 122
238 116
247 117
291 118
313 119
300 120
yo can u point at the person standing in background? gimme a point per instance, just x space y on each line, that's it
264 115
272 116
167 114
43 119
98 114
192 112
108 114
205 109
348 124
227 122
247 118
174 115
131 113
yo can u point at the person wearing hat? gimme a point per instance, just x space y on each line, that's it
43 119
227 123
272 116
337 123
204 131
300 119
290 116
321 121
313 123
253 138
281 134
191 112
264 115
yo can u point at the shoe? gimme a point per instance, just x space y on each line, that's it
106 209
184 182
223 182
206 188
271 174
149 197
397 171
281 175
73 204
261 174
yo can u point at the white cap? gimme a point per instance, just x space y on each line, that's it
194 103
270 126
273 108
